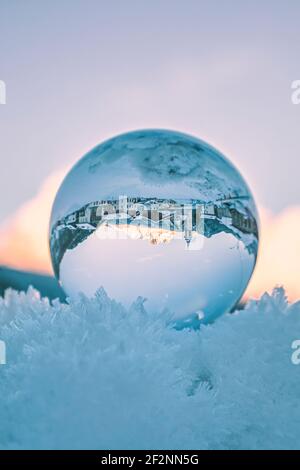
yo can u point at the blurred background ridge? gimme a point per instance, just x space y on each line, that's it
21 280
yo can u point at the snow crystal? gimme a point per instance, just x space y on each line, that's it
94 375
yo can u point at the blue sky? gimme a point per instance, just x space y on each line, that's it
80 71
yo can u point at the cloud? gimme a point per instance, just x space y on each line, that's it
24 242
279 256
24 236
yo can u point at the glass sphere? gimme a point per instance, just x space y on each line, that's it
157 214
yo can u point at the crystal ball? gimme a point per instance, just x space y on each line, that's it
160 215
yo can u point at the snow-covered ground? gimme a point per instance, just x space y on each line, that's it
94 375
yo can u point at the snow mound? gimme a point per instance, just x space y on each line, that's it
94 375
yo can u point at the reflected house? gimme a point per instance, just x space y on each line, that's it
84 218
223 212
209 210
82 215
105 209
245 223
71 219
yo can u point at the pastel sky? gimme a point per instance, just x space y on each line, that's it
79 71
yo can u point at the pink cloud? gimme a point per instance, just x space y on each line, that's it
24 236
279 255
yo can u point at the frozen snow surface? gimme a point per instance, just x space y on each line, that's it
94 375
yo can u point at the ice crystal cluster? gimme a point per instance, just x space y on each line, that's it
91 374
